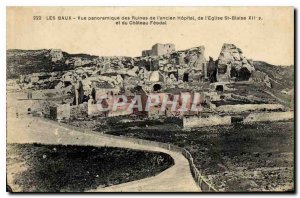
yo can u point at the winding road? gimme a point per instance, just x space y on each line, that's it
178 178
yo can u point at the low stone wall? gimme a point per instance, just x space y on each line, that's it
272 116
190 122
195 122
240 108
22 106
204 185
92 110
120 112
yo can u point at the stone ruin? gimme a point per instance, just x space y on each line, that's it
232 65
162 68
176 66
159 49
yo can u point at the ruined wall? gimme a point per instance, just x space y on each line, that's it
146 53
239 108
159 49
60 112
195 57
273 116
93 110
233 65
120 112
79 111
63 111
192 122
22 106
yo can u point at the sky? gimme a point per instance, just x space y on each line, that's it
270 39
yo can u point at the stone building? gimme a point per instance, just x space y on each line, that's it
60 111
159 49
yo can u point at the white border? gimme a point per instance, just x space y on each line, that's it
150 3
5 3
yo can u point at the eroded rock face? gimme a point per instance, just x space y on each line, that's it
232 65
195 57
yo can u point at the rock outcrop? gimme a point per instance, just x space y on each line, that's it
47 69
261 77
23 62
232 65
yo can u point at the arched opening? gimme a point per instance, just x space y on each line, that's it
236 119
67 83
222 69
233 73
213 76
244 74
219 88
185 77
156 87
94 94
173 73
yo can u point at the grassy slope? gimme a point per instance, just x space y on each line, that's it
281 77
238 157
55 168
32 61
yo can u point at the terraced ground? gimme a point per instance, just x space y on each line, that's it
252 157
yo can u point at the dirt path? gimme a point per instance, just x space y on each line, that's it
35 130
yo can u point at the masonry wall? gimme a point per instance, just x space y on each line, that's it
160 49
146 53
272 116
94 111
79 111
63 111
120 112
191 122
239 108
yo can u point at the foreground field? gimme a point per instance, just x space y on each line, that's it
57 168
257 157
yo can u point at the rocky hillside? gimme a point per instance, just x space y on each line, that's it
231 64
31 61
282 76
20 62
282 80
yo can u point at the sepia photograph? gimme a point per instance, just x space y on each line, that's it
150 99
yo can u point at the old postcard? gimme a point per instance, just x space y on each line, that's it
150 99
